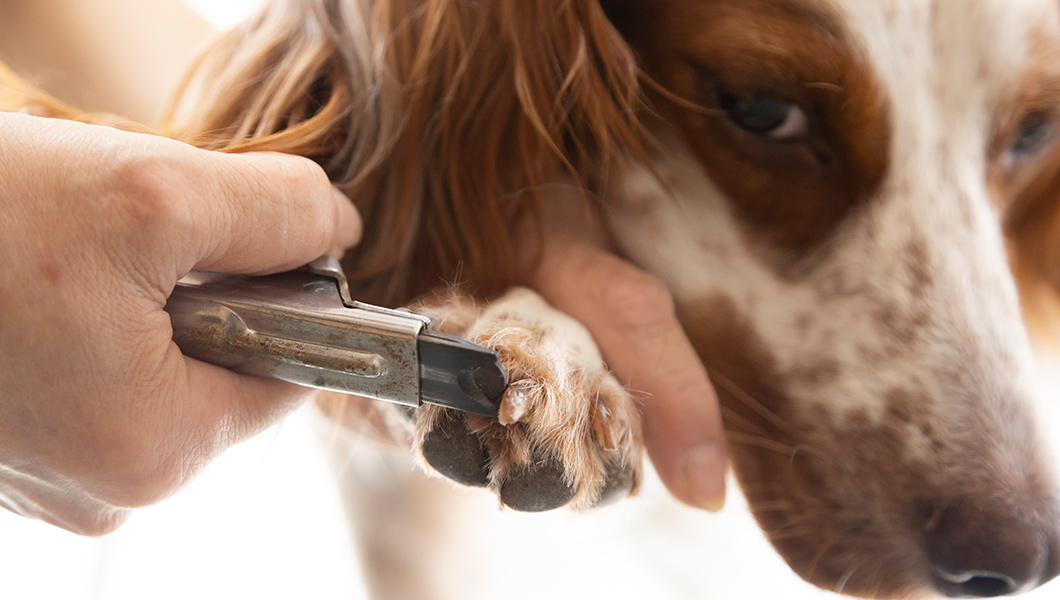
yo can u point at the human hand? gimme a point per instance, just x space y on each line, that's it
631 315
99 410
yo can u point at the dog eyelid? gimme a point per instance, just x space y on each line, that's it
765 116
1036 131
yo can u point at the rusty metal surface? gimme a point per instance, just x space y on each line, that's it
296 327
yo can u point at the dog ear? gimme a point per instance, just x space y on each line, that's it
278 82
1033 228
445 121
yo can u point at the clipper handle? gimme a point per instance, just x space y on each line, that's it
294 327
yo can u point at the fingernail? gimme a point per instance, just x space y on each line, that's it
348 230
705 470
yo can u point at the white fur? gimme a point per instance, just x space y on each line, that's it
942 104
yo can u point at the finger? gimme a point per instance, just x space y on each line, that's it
632 318
60 504
241 405
208 410
183 414
266 212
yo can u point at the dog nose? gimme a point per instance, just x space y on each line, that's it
977 554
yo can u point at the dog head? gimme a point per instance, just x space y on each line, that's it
828 205
829 211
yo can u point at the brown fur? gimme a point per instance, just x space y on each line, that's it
821 180
445 121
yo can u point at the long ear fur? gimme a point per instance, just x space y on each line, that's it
446 121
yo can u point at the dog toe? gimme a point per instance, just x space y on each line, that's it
517 401
567 432
536 486
452 450
620 481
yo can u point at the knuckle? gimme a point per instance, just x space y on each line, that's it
144 184
307 174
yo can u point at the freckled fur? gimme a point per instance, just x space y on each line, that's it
905 334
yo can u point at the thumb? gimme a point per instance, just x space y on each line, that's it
266 212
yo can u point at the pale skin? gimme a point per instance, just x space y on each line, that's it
100 413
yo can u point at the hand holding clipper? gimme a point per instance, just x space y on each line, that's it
304 327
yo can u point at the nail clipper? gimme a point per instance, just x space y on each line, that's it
304 327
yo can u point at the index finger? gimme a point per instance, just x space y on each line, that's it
262 212
632 318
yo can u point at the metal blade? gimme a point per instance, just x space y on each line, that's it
459 374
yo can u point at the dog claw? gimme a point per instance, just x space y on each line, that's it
604 427
516 402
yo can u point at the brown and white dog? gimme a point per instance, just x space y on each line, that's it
840 195
824 189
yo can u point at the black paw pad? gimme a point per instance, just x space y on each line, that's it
408 413
618 484
455 452
536 487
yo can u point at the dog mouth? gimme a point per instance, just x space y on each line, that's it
830 523
854 529
850 515
922 496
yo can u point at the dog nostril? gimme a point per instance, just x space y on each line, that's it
979 585
988 586
982 553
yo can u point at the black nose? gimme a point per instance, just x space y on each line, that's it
982 553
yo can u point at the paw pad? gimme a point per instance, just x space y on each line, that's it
567 432
536 486
456 453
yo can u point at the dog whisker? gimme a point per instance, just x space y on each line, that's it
771 506
731 418
740 394
841 584
817 559
759 441
783 534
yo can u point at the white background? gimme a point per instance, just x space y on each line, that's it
265 521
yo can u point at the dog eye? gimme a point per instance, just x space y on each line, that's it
765 116
1035 132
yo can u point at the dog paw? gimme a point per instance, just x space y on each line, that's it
567 432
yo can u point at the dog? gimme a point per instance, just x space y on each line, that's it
838 196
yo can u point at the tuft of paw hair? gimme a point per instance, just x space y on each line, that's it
567 433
